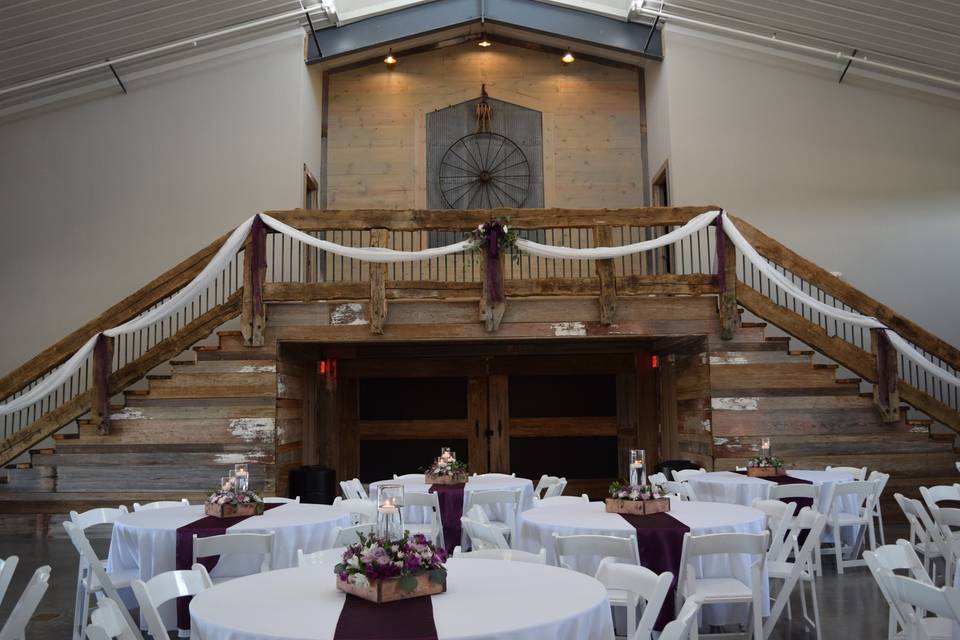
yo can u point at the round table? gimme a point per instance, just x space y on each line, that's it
737 488
418 515
146 541
484 599
538 526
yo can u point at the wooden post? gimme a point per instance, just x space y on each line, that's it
378 279
885 392
603 237
727 281
253 312
491 313
100 403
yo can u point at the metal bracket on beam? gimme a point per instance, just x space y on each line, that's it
117 76
847 67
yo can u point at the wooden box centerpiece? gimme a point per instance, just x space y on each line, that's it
234 498
233 509
427 578
638 500
446 469
764 465
764 472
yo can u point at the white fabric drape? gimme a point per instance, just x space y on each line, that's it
907 350
60 375
368 254
604 253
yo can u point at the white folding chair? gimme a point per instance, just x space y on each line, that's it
725 590
430 501
925 536
107 623
509 500
234 543
16 624
799 570
318 557
344 536
546 487
682 475
353 490
164 587
93 576
864 493
363 511
161 504
915 598
779 522
556 501
7 567
895 557
948 522
410 476
636 586
680 628
938 493
508 555
817 494
683 490
482 535
858 473
281 500
595 546
880 479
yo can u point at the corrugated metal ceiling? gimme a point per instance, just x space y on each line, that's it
43 37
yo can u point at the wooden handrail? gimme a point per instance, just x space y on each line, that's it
851 296
130 307
468 219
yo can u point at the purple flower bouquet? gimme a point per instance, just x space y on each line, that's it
383 570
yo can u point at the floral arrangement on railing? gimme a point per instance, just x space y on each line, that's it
381 569
636 499
493 237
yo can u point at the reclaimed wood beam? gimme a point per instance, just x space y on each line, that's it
102 365
378 277
885 393
253 318
603 237
469 219
842 291
51 422
727 283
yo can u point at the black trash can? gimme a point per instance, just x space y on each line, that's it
667 467
315 484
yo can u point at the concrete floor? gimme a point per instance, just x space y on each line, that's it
851 606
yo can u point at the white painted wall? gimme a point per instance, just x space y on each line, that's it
99 196
861 177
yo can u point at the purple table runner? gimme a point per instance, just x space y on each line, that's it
660 542
410 619
785 479
450 497
203 528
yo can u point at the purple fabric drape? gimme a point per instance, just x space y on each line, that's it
203 528
450 497
494 280
660 542
410 619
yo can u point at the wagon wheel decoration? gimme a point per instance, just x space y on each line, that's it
484 170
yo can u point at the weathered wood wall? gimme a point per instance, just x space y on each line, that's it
685 395
592 122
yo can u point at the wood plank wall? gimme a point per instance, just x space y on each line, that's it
293 407
685 406
591 117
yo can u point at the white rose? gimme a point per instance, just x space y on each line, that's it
359 579
506 229
353 562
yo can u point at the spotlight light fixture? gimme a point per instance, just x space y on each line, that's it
390 61
568 57
484 41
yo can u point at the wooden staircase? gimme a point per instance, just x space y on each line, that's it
166 441
762 388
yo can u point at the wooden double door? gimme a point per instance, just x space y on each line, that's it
568 415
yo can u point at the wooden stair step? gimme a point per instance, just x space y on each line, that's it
753 325
61 503
249 354
744 345
800 352
233 401
826 366
226 366
817 402
721 358
65 436
111 455
159 376
796 446
253 431
800 422
855 381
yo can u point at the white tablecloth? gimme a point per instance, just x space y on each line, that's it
485 600
147 540
736 488
539 525
479 483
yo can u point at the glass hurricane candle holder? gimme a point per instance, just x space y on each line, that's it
389 515
241 477
638 466
447 454
765 448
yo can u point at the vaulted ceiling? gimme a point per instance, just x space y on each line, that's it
44 38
